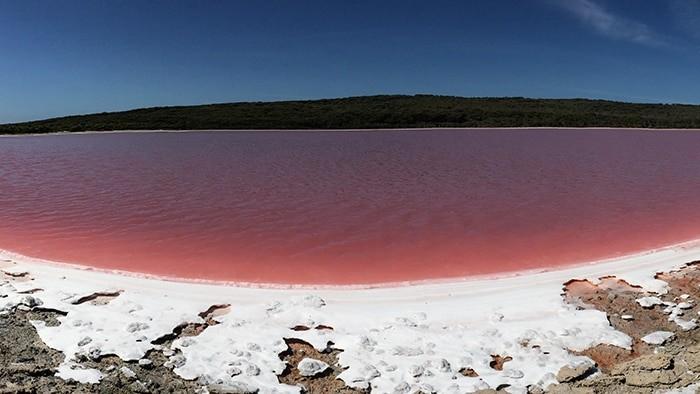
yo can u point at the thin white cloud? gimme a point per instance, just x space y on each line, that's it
608 24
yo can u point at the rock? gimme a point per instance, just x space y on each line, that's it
416 370
29 369
145 363
603 380
651 378
128 373
649 362
444 365
175 361
564 389
649 302
234 371
686 325
692 358
469 372
84 341
232 388
657 337
685 305
627 317
574 373
370 372
311 367
252 370
648 371
94 353
535 390
138 387
30 301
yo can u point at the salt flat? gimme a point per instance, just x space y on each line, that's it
406 338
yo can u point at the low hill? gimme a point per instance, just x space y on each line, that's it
379 112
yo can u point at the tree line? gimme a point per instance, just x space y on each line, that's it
370 112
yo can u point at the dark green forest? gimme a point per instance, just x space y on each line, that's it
379 112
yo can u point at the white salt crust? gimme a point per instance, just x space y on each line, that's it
405 339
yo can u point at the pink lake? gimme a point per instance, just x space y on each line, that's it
347 207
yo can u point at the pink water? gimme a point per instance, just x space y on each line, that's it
346 207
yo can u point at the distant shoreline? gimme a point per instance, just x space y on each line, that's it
378 130
380 112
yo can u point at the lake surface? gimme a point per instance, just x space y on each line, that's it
347 207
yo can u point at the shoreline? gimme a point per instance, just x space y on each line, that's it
636 265
378 130
8 254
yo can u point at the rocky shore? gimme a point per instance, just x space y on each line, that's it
27 365
665 354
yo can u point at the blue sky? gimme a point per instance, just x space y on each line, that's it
70 57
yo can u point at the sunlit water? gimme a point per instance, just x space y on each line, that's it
346 207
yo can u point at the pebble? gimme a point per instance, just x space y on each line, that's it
146 363
648 302
311 367
444 365
128 373
657 337
176 361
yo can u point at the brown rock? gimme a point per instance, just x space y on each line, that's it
572 374
497 361
566 389
649 362
648 371
692 358
651 378
469 372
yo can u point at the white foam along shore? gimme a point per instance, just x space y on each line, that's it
405 339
